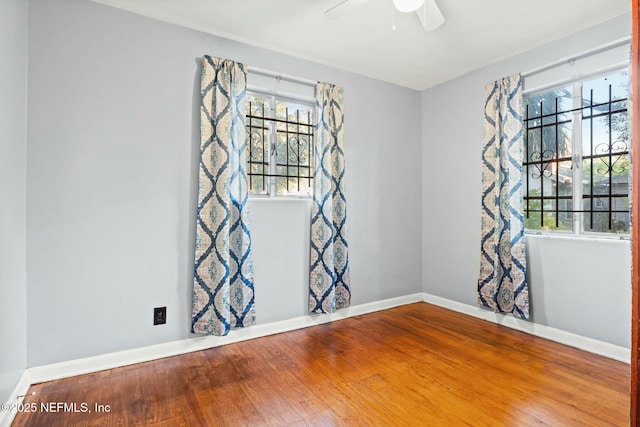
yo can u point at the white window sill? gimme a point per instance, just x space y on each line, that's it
599 238
279 199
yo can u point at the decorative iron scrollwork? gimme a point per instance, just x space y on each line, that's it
298 151
541 162
257 146
619 163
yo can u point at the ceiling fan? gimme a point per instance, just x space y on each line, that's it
427 10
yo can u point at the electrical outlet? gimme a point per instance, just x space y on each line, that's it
160 315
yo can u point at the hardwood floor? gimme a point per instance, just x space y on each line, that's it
416 365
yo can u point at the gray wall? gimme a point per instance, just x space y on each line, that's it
112 177
576 285
112 182
13 281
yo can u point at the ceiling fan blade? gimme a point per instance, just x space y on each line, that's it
343 7
430 15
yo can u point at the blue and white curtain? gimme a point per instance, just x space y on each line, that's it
502 283
329 288
223 293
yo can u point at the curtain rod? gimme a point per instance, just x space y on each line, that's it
280 76
583 54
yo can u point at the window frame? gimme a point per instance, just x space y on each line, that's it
577 157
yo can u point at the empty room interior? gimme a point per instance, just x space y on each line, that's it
383 212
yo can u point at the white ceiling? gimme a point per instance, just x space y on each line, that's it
476 32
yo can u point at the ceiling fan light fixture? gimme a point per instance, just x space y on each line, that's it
343 7
430 15
407 6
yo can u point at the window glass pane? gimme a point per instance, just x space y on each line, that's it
258 107
282 183
549 102
603 89
619 128
293 111
294 148
548 178
565 221
620 181
258 132
605 145
553 138
532 220
598 222
565 178
619 106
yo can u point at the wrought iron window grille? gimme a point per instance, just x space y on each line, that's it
280 149
555 198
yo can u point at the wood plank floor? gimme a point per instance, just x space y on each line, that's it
416 365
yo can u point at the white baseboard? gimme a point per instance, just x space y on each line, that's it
71 368
591 345
15 398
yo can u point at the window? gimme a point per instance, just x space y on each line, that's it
280 149
576 164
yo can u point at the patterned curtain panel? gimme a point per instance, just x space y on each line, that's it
223 296
329 272
502 283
